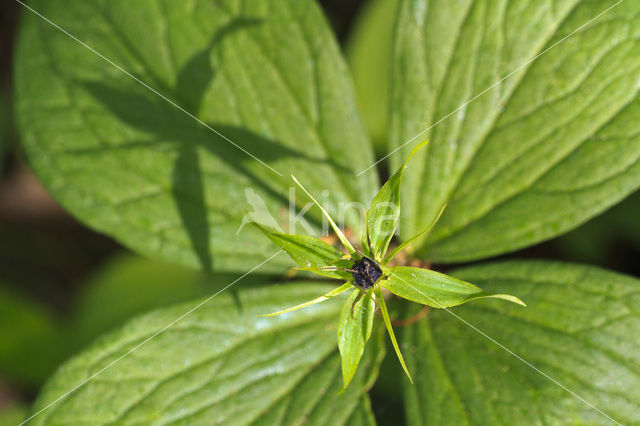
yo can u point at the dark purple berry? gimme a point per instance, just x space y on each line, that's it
365 273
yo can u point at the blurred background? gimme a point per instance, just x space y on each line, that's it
61 284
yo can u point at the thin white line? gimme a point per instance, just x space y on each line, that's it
511 352
172 103
148 339
490 87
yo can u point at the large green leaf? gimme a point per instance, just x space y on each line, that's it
267 75
543 150
222 364
580 328
368 51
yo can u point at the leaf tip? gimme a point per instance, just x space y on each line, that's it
510 298
409 376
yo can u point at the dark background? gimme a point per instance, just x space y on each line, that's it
46 256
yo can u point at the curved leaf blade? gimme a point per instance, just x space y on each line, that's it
128 164
384 214
221 364
579 329
354 330
368 50
435 289
310 253
539 153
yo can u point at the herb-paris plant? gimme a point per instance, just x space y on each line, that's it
370 274
544 150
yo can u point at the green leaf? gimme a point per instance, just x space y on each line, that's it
550 146
363 415
222 364
354 330
580 329
392 335
435 289
129 285
328 295
310 253
127 163
31 340
368 51
384 214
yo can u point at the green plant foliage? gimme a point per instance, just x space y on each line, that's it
550 139
354 330
308 252
415 284
542 151
128 164
384 214
222 364
126 286
579 328
368 52
31 346
435 289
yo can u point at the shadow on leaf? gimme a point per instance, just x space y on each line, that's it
172 129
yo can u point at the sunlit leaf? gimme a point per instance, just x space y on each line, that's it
435 289
221 364
533 113
127 163
580 328
368 50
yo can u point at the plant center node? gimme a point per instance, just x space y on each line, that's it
365 273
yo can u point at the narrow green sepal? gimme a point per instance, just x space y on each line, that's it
343 239
387 323
344 287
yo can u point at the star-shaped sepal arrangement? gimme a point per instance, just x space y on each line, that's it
368 271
